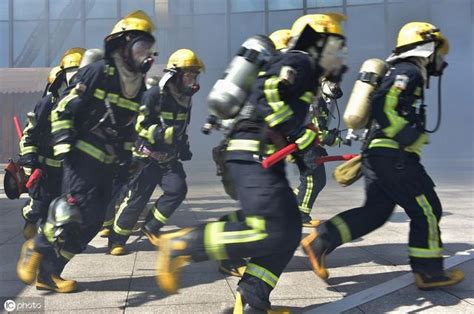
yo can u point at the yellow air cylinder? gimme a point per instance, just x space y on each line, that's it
356 114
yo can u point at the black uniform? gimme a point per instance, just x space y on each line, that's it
394 175
270 230
95 143
161 126
36 151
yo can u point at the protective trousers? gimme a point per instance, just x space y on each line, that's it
171 179
391 181
312 182
269 232
42 193
89 182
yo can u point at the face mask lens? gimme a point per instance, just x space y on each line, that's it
142 49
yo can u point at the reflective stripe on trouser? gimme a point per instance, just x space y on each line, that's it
170 177
89 182
271 229
311 184
386 186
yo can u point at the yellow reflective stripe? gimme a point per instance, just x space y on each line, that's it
50 162
108 223
256 222
109 70
94 152
306 139
307 97
233 217
343 228
66 254
128 145
158 216
28 149
123 205
60 125
128 104
272 95
433 234
262 273
396 122
214 248
99 93
418 144
181 116
166 115
48 231
113 98
425 253
138 124
61 149
261 73
28 171
243 236
169 135
384 142
62 105
27 209
249 145
279 116
304 209
308 192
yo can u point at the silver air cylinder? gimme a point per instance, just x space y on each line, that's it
91 56
356 114
229 93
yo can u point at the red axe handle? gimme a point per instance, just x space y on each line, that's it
324 159
17 124
279 155
35 176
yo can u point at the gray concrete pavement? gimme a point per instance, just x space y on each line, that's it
126 283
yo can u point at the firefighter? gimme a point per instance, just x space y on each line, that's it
391 164
35 147
120 185
162 128
312 181
271 228
93 129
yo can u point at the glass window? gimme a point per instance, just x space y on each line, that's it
29 43
96 30
325 10
4 47
285 4
247 5
242 26
323 3
282 19
209 6
208 27
349 2
101 9
29 9
180 7
132 5
70 35
65 9
4 8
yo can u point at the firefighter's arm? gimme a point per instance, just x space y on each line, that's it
149 125
398 92
74 99
277 113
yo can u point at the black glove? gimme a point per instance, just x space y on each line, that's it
331 137
29 162
166 134
185 153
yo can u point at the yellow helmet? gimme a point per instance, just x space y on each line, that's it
415 33
135 21
280 38
72 58
185 58
329 23
53 73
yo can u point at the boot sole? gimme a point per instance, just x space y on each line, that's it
319 270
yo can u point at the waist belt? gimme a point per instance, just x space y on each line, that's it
95 152
50 162
249 146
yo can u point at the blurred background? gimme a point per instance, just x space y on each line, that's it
35 33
